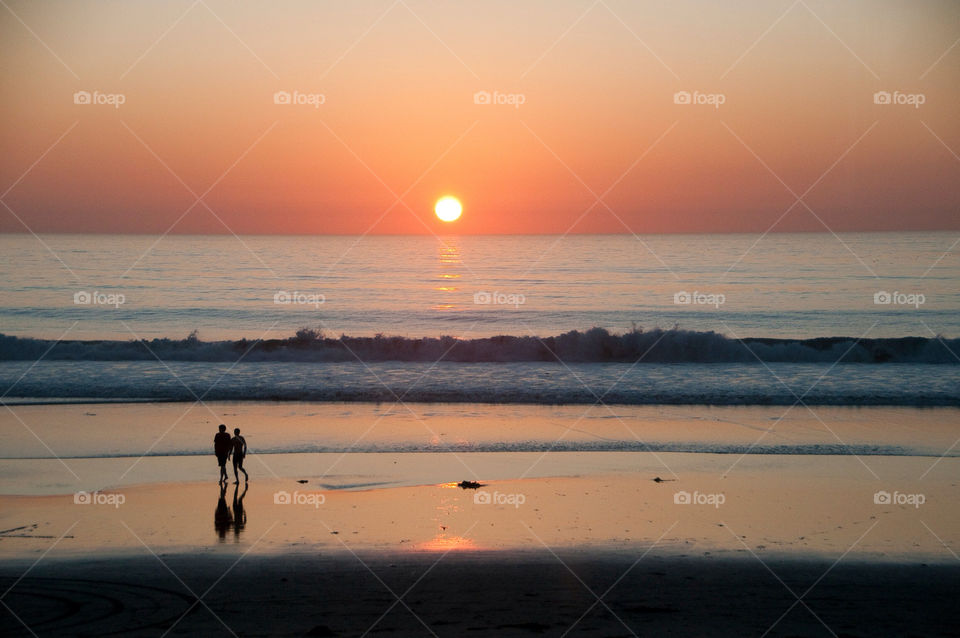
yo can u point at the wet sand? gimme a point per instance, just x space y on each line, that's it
323 544
479 594
806 505
333 560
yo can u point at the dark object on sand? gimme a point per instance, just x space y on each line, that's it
469 485
660 480
301 480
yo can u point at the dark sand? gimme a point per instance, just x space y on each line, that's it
478 594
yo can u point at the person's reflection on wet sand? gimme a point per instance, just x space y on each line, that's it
239 514
222 518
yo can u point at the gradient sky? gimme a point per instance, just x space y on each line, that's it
399 117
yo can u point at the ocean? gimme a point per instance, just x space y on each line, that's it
848 319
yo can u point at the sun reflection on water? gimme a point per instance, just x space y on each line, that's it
449 263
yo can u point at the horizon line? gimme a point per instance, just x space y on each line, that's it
454 234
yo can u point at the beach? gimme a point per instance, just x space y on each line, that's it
705 542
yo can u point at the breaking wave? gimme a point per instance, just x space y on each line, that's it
596 345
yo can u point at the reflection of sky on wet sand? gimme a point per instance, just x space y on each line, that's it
447 539
789 504
444 543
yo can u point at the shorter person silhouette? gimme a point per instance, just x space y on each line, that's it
238 446
221 447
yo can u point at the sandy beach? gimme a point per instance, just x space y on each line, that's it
330 554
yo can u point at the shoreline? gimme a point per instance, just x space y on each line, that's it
165 429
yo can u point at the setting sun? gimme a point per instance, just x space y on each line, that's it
448 209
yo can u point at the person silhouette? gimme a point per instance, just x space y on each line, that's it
239 514
222 518
238 446
221 447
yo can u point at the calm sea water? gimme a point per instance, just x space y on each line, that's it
797 285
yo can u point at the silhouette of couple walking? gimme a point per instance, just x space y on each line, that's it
225 446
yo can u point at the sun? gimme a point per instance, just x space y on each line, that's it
448 209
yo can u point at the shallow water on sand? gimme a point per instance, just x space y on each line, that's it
123 430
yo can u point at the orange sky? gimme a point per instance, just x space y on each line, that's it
398 78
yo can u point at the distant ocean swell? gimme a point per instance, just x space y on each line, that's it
596 345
